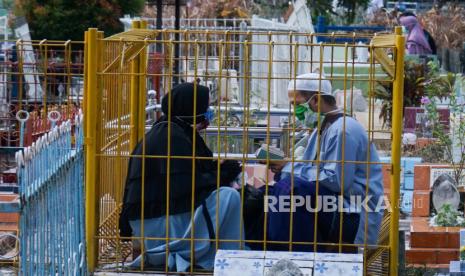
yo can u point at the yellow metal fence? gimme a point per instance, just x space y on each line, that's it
118 73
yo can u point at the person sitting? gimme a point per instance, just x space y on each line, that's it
335 163
181 197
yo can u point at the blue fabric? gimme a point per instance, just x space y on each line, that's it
351 145
304 221
181 228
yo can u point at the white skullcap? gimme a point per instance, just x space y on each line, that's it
311 82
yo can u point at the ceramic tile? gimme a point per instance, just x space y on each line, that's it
304 264
456 268
421 203
408 181
462 244
238 266
290 255
462 237
305 271
240 254
338 268
385 159
337 257
244 263
300 263
410 163
422 175
406 203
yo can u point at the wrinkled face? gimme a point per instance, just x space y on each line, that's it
296 98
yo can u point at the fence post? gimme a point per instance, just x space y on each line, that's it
92 100
142 86
134 97
397 104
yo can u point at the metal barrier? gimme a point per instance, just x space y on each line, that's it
51 181
321 27
38 77
115 100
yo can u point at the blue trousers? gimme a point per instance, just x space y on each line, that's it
303 220
224 213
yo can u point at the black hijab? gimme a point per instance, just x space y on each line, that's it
182 102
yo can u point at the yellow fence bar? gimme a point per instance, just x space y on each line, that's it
397 103
91 147
116 79
142 86
134 102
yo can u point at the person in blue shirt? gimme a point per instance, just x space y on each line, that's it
336 163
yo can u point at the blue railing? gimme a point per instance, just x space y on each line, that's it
321 27
51 177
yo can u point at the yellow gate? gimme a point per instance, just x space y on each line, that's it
249 72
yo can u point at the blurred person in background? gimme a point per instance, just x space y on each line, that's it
419 42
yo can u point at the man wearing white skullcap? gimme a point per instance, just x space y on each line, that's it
338 138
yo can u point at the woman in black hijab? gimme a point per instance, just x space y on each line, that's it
178 173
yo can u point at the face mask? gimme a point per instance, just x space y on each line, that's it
209 115
302 110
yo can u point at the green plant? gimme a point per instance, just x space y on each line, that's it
346 9
446 26
65 19
439 87
432 153
413 90
448 217
417 271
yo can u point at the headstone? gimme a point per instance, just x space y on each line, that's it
358 104
260 263
445 192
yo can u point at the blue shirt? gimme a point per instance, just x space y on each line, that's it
351 145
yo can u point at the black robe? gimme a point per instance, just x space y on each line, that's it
181 171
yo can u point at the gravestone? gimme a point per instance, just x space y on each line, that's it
445 192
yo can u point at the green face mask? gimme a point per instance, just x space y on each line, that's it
300 111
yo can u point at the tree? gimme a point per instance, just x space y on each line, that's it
220 8
68 19
344 8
